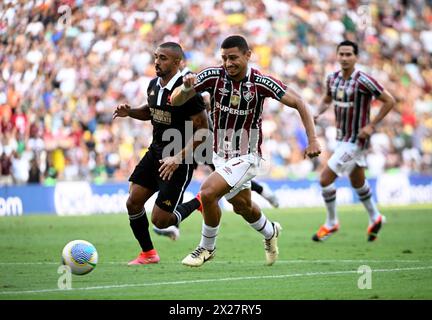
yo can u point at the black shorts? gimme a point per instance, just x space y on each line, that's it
146 174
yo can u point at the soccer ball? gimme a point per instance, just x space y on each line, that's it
81 256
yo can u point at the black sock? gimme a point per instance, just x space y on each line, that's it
139 225
256 187
185 209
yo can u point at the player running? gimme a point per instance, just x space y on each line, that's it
351 92
170 175
237 96
173 232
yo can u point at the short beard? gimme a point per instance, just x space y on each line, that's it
160 73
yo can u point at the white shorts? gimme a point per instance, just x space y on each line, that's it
237 172
346 156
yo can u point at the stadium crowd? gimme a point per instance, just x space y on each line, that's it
62 76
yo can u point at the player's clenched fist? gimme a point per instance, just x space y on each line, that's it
122 110
313 149
189 80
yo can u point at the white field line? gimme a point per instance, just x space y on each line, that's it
182 282
238 262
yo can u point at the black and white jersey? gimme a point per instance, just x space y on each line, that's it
164 116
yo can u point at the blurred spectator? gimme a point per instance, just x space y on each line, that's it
60 81
5 170
34 172
20 168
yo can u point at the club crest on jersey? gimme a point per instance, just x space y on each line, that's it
350 89
235 100
248 95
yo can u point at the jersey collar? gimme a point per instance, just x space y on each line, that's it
352 76
185 71
171 83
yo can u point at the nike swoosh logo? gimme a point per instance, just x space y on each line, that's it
207 259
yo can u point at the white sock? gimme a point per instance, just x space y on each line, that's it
365 195
329 195
266 192
263 226
208 236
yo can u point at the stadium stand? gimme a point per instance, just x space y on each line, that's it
61 79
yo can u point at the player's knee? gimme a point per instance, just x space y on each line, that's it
208 195
357 182
162 219
325 179
134 205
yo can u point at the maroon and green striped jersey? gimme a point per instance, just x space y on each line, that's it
236 108
352 102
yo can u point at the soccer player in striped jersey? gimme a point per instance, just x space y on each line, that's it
173 232
237 97
351 92
262 189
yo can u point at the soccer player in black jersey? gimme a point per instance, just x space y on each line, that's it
162 169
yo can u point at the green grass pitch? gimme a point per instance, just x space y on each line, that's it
400 260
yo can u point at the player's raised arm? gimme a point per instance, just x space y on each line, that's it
293 100
186 91
388 104
125 110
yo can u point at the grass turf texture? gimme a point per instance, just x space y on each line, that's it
401 258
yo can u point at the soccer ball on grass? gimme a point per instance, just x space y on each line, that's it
81 256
